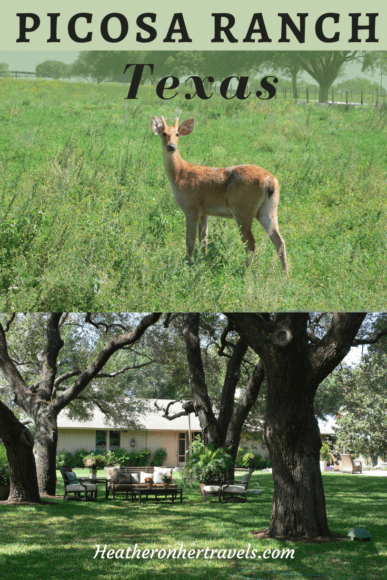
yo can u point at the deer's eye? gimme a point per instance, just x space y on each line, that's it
177 135
164 134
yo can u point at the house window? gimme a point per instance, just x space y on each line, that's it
100 440
114 440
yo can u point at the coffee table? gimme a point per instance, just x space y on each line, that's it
158 492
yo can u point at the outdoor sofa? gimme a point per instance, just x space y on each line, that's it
123 479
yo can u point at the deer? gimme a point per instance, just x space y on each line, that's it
242 192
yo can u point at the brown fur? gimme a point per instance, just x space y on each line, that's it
242 192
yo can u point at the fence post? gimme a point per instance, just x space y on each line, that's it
333 96
377 97
307 94
346 97
361 101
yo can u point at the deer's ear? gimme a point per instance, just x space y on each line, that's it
157 125
187 127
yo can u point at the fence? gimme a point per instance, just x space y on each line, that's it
377 97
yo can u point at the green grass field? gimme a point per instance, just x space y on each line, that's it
58 542
88 220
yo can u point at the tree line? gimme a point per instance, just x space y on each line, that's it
323 66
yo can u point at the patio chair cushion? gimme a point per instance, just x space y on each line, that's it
77 487
135 477
124 478
71 477
234 488
144 475
212 488
113 473
159 472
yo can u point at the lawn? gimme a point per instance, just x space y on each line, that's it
88 219
58 542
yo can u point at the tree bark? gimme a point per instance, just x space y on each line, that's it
46 438
18 442
294 368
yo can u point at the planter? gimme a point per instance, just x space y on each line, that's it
4 492
93 476
323 465
149 485
166 485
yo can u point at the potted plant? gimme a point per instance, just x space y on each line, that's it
149 482
207 464
167 480
324 455
5 482
93 462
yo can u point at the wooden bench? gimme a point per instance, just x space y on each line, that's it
128 485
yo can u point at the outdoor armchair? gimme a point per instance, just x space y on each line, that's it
349 465
73 484
237 491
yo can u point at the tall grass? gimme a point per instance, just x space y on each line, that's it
88 219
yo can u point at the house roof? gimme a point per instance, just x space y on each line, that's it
149 419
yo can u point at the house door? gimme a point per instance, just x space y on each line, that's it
181 448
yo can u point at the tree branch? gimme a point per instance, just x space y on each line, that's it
104 355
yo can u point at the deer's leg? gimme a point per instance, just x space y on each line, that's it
203 231
270 225
245 221
192 222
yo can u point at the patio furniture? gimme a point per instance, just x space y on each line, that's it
237 491
158 492
122 479
336 462
348 465
78 486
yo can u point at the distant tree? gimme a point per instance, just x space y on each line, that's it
362 424
107 65
53 69
44 378
4 74
376 61
323 66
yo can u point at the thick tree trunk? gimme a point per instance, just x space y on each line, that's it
324 92
18 442
46 438
293 439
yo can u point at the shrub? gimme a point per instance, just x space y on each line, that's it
144 456
159 457
134 458
4 475
248 459
3 455
118 457
67 459
207 464
64 459
93 461
79 457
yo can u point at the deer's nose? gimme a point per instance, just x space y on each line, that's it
171 147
